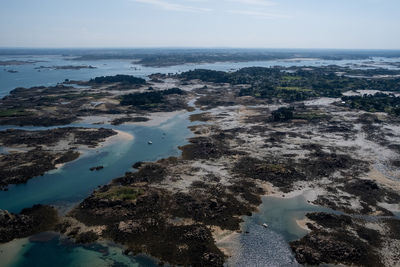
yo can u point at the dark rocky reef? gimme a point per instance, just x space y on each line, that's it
145 225
203 117
123 120
47 106
18 168
125 79
369 193
81 136
214 146
341 239
172 226
97 168
29 221
164 100
279 174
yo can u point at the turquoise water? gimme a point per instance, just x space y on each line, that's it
57 251
69 185
75 181
72 183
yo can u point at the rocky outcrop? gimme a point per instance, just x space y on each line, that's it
29 221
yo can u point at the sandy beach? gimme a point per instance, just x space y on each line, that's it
9 251
120 136
157 118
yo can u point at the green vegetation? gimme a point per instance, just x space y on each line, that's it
207 76
126 79
294 88
310 116
13 112
171 57
289 113
149 98
283 114
291 78
296 83
120 193
375 103
72 96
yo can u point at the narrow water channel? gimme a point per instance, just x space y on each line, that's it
72 183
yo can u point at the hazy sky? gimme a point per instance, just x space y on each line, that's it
201 23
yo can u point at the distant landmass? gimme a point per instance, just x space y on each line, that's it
158 57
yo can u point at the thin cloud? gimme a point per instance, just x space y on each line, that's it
255 2
259 14
172 6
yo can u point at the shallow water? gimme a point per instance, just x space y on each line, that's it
74 181
57 251
260 246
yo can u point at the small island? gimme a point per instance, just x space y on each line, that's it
67 67
33 153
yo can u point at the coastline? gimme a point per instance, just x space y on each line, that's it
302 223
120 136
154 119
83 150
211 160
158 118
9 251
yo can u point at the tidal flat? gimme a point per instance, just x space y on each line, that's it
276 146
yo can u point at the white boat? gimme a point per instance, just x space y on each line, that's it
265 225
150 143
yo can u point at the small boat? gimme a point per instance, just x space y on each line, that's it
265 225
150 143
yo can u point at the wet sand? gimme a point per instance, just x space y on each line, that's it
9 251
121 136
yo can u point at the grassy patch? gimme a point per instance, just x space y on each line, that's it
294 88
309 116
13 112
120 193
291 78
73 96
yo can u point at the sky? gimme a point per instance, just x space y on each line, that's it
341 24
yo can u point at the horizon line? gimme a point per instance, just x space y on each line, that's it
199 47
